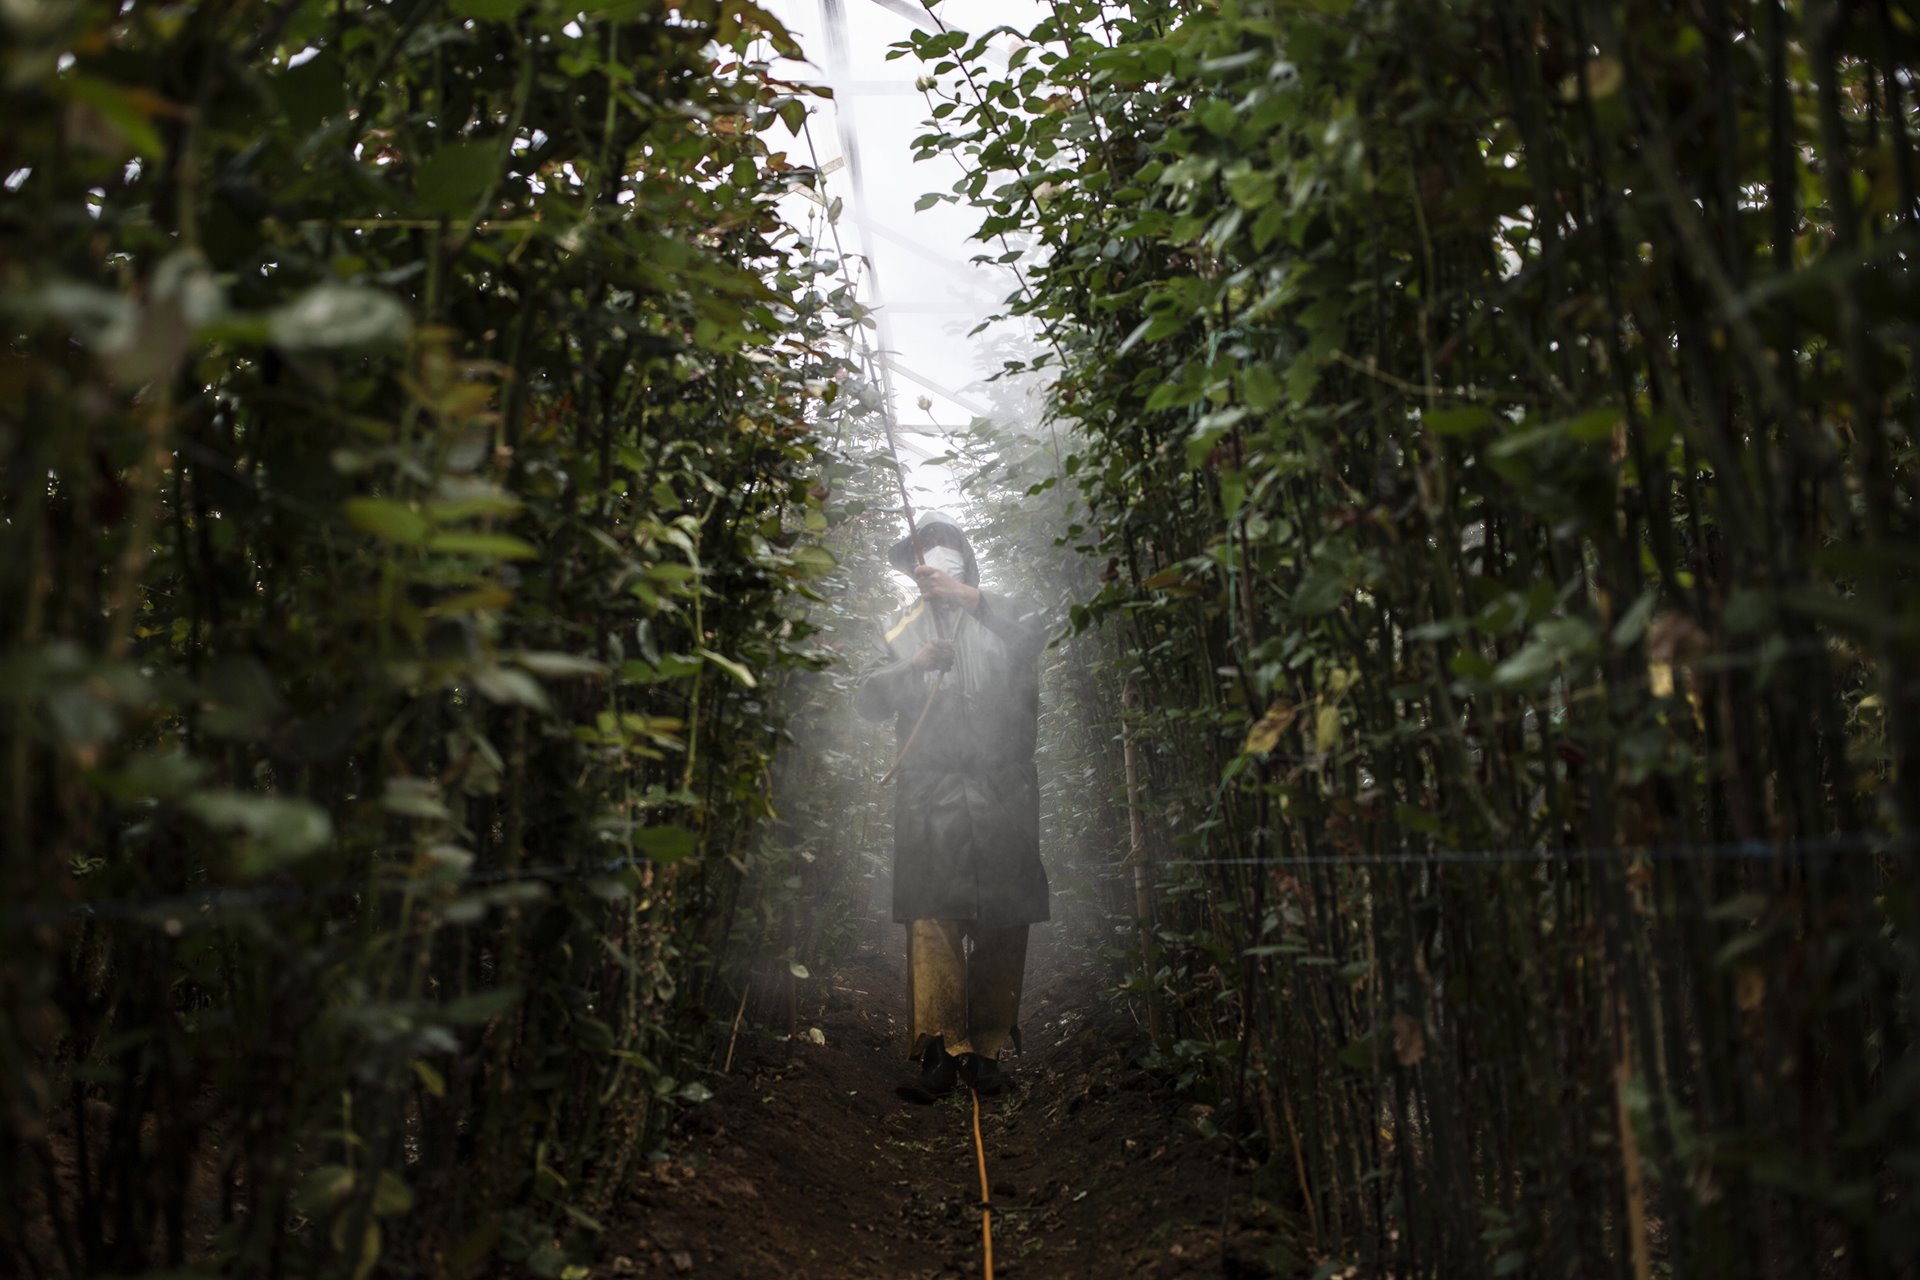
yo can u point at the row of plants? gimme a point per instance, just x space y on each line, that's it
1496 425
413 498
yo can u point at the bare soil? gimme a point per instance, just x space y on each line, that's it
806 1164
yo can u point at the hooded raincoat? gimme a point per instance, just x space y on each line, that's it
967 797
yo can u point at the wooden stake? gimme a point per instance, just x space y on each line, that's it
739 1013
1630 1171
1137 856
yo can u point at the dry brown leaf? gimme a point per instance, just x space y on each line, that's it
1675 638
1409 1041
1264 736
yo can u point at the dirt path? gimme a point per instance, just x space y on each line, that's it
805 1164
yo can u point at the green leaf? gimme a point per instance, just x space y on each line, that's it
387 520
1270 222
1359 1053
672 666
482 1006
121 111
558 665
331 316
465 501
1323 586
1470 664
665 844
1456 422
487 10
1216 116
1591 427
415 798
312 92
322 1190
81 715
673 574
159 774
1303 375
548 1262
369 1250
510 687
490 546
451 179
1741 945
728 665
391 1194
430 1078
1554 641
1533 662
242 699
1259 387
1633 623
279 829
1326 728
812 563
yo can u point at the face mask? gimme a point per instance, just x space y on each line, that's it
947 560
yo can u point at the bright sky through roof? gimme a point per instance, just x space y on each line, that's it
931 293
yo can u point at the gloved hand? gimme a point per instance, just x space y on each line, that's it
934 655
942 587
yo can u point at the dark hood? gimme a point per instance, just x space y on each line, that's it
900 554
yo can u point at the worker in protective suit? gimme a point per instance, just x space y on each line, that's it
967 879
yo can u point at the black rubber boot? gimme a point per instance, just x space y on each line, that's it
939 1070
985 1075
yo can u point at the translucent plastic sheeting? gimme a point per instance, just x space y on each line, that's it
914 267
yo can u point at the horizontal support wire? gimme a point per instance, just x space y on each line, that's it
178 907
176 910
1736 850
197 907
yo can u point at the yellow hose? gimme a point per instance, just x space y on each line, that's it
986 1197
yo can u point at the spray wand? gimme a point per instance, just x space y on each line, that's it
919 558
